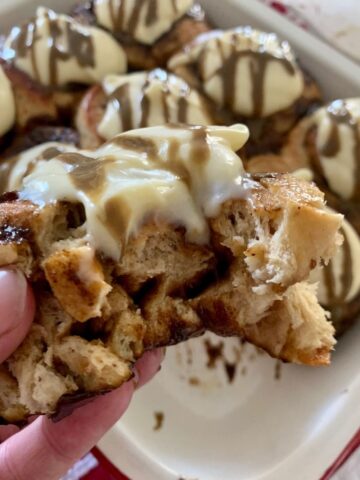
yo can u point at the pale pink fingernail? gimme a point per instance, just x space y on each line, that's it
13 287
136 378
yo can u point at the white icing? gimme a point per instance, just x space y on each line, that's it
146 183
168 12
32 155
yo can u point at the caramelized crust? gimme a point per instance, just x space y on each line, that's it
36 136
95 317
89 115
38 105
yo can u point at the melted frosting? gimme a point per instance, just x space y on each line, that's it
144 20
7 102
147 99
176 173
338 146
248 71
14 169
339 281
54 49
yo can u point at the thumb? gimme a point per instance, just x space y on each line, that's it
16 311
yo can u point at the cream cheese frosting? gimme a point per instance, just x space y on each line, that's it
7 102
174 173
13 170
56 50
148 99
144 20
338 146
251 72
339 281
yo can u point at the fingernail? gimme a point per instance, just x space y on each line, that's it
13 287
162 352
136 378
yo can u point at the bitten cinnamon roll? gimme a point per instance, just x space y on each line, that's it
125 102
150 31
253 75
339 280
155 237
50 58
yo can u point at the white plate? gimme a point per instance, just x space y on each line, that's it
257 427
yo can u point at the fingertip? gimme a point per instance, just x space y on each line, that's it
148 366
49 449
17 308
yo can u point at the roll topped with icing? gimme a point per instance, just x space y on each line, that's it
148 99
125 102
143 20
339 281
55 50
328 142
177 173
337 156
252 73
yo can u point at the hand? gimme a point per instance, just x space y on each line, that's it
45 450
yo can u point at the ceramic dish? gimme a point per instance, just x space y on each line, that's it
220 410
271 422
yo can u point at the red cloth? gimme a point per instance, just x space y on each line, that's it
105 470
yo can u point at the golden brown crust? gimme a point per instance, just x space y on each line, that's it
90 113
30 138
182 33
269 163
37 105
70 268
